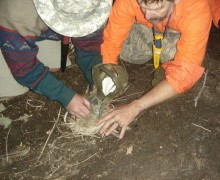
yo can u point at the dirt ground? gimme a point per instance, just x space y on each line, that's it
173 140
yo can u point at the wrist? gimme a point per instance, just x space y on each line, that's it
139 105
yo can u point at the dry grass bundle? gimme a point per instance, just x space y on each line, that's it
84 127
87 127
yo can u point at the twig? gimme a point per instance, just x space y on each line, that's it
112 162
84 160
201 90
65 116
201 127
6 148
35 106
49 136
51 174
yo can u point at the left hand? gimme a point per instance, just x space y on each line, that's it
79 106
120 117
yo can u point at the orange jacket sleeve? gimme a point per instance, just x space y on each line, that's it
186 70
215 8
120 21
192 19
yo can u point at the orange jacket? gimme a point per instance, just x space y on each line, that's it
191 18
215 8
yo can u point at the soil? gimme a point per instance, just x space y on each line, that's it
173 140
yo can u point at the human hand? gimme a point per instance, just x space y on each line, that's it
120 117
79 106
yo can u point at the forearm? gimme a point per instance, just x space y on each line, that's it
54 89
163 91
29 71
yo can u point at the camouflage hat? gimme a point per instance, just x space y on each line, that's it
74 18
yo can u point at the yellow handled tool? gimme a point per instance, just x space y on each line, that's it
157 48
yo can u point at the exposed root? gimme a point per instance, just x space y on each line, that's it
6 146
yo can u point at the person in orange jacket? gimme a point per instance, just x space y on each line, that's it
190 19
215 8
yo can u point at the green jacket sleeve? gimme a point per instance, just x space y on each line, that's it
54 89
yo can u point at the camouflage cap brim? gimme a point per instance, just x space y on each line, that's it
74 18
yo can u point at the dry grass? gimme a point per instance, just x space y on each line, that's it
83 127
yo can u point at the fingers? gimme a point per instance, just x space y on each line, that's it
78 115
110 124
87 104
83 113
121 116
79 106
105 131
106 125
84 109
114 126
123 130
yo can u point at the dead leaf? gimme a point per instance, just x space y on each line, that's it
4 121
2 107
129 150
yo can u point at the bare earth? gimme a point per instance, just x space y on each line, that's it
171 141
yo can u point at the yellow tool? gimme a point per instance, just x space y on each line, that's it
157 48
